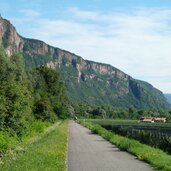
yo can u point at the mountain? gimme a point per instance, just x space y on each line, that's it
168 97
86 81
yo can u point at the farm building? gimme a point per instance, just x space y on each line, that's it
147 119
152 119
160 120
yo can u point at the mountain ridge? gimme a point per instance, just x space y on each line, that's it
85 80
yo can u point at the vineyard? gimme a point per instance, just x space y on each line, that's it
156 135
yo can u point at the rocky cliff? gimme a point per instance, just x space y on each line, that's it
88 81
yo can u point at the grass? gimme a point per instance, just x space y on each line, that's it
47 152
155 157
110 121
9 142
124 121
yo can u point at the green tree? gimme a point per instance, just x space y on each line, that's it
49 93
15 97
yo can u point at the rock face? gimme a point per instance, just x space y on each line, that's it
9 37
87 81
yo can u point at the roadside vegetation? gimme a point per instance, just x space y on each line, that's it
30 102
9 142
44 151
155 157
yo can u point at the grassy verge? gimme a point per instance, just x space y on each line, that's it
155 157
46 152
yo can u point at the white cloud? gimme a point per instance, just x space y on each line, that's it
138 42
84 14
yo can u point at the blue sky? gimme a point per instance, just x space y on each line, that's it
132 35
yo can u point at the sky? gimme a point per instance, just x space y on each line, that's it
132 35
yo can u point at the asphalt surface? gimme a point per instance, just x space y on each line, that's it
89 152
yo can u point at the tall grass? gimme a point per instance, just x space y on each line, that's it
155 157
48 152
9 142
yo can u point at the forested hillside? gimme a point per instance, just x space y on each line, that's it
168 97
85 81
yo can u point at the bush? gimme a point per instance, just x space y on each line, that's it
6 141
38 127
34 128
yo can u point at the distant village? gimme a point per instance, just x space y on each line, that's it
152 119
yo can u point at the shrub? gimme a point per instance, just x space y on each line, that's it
38 127
6 141
34 128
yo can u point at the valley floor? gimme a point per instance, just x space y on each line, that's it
90 152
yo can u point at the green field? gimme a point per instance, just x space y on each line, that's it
124 121
110 121
47 152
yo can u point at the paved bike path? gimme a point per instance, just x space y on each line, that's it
90 152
